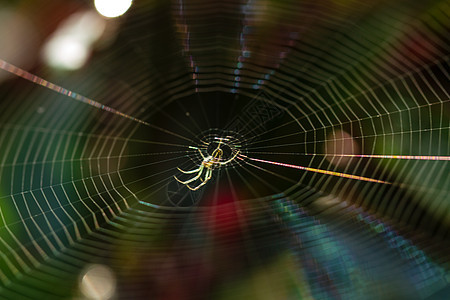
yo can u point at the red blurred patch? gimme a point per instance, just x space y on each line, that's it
418 44
225 215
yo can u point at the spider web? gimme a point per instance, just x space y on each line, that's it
340 112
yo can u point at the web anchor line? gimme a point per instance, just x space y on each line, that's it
376 156
63 91
59 89
407 157
326 172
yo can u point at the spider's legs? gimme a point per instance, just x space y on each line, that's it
208 175
200 171
197 187
200 151
195 170
191 171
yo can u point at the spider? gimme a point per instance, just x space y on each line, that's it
209 163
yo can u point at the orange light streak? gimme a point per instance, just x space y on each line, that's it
411 157
344 175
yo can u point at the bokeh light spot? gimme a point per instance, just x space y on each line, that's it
98 282
66 53
112 8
